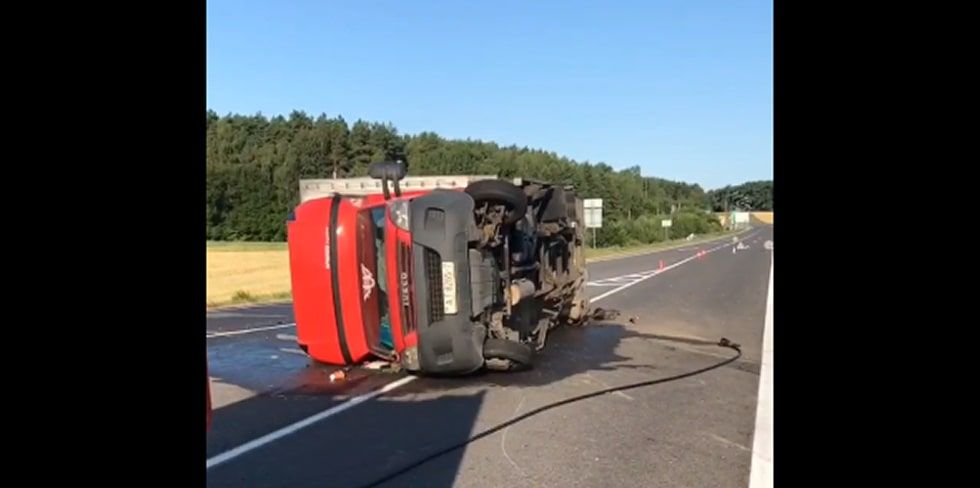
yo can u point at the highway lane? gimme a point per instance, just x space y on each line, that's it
697 432
247 317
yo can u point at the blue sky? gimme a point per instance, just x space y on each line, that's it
681 88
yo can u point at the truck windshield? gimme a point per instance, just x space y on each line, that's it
373 272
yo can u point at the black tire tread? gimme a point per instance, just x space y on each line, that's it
499 191
504 349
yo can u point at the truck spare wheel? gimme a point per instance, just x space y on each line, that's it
502 193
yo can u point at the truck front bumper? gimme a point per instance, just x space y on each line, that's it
449 340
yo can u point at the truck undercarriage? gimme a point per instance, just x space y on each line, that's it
530 246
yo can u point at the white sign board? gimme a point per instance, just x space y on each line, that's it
593 218
593 212
666 223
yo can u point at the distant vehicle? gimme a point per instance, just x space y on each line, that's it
449 275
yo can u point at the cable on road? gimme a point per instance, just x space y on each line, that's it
722 343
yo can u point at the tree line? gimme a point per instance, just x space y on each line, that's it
254 165
752 195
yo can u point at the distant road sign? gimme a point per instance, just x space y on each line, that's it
593 212
593 218
666 223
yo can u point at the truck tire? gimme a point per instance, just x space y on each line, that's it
500 192
518 354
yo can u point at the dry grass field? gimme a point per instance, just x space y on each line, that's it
246 273
762 217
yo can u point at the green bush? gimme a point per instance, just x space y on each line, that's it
687 223
611 234
648 229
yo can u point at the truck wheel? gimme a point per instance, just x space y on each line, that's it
500 192
519 355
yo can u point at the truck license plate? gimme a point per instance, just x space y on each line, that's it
449 287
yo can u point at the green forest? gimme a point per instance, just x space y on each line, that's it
752 195
254 165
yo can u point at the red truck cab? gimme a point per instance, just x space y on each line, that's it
360 273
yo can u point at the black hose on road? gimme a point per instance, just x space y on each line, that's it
722 343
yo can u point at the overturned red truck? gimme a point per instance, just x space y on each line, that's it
438 274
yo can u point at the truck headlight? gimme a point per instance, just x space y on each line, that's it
399 213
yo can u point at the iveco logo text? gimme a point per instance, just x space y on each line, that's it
403 279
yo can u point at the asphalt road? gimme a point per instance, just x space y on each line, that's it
693 432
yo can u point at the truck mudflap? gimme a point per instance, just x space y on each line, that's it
449 340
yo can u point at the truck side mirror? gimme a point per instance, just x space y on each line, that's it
391 170
388 170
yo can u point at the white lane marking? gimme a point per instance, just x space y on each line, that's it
654 272
293 351
618 280
247 331
760 474
286 337
289 429
728 442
